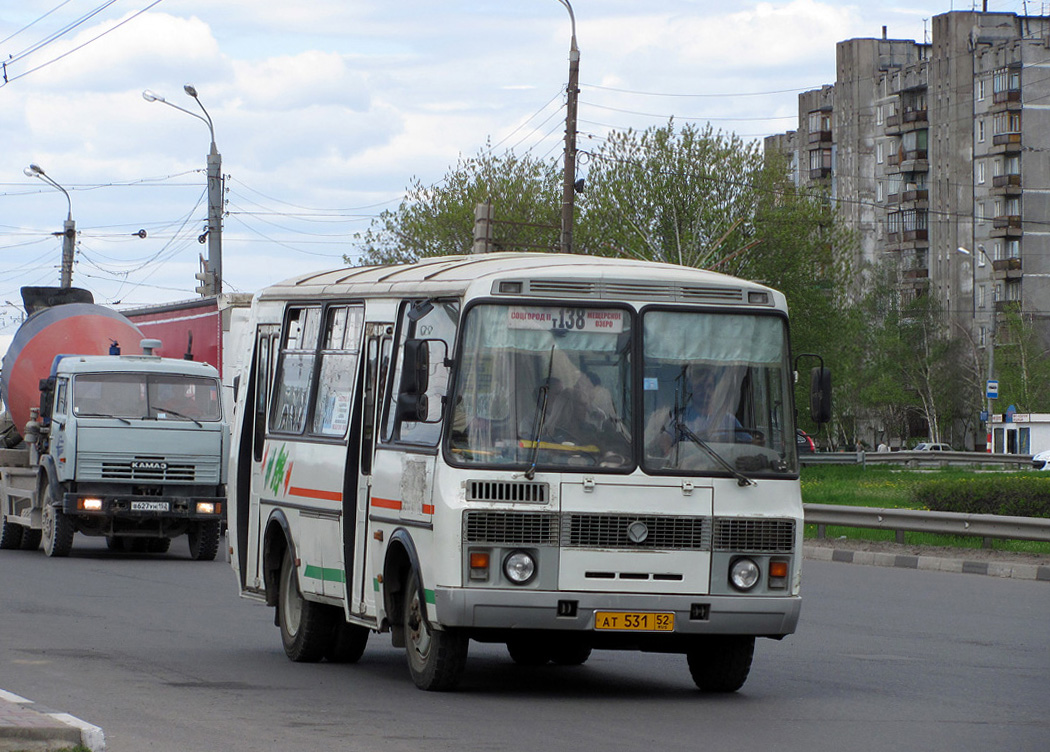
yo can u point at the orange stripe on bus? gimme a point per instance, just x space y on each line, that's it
395 504
315 493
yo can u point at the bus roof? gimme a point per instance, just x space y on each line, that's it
549 275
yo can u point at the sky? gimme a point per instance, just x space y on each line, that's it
324 113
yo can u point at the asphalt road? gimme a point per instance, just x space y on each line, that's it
162 654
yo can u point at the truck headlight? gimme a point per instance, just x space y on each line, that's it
91 504
205 507
744 573
519 567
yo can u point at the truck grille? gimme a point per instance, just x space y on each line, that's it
147 469
768 536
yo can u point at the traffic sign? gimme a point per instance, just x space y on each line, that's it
993 389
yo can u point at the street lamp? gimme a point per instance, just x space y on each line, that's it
991 342
69 228
568 191
212 276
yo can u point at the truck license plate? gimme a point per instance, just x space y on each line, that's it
632 621
149 506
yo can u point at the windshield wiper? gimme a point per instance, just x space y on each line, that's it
683 430
105 415
541 417
179 415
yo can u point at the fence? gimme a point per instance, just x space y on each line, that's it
919 459
987 526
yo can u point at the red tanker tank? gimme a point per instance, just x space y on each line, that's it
60 322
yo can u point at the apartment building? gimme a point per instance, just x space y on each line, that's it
929 148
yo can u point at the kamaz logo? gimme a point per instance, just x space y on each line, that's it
141 465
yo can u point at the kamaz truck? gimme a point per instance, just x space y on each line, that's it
129 447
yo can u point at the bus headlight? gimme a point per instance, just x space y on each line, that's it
744 574
519 567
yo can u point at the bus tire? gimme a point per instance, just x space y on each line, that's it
721 663
348 642
204 540
436 657
306 627
31 539
528 651
10 535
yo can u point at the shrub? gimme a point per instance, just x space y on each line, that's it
1013 495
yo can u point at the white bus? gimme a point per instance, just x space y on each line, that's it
557 453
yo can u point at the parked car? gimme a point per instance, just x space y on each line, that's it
932 447
1041 461
804 442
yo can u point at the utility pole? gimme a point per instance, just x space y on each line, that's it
568 192
484 214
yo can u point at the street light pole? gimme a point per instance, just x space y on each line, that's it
69 227
991 343
568 193
212 276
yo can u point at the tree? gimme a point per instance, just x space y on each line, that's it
438 220
1021 363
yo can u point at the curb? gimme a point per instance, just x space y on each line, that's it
24 725
1004 569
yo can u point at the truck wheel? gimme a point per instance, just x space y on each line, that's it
348 642
570 654
721 663
306 627
436 657
204 540
57 529
31 539
10 535
115 543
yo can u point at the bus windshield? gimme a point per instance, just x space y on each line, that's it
544 385
554 386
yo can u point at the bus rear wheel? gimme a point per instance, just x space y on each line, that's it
306 627
721 663
436 657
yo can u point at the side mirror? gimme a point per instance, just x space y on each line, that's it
413 408
415 368
820 394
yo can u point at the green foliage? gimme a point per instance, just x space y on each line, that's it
438 220
1013 495
1021 365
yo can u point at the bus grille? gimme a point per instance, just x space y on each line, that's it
517 528
483 490
769 536
611 531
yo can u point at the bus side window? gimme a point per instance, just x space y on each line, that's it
295 370
437 322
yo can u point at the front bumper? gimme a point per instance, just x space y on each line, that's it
133 507
501 609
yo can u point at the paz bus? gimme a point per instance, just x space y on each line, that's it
553 452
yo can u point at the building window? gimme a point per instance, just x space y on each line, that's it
980 296
1013 249
997 252
980 130
879 118
980 173
980 89
983 337
1006 79
978 212
880 195
880 152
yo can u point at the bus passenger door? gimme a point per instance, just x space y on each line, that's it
249 523
376 360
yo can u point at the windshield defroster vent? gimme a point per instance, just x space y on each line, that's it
486 490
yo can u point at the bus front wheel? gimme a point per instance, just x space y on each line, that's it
436 657
721 663
306 627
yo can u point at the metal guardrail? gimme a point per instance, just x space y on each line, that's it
917 520
918 459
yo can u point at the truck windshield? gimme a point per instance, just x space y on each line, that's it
147 395
715 393
555 387
544 386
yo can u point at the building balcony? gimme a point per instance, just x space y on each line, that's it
820 137
1007 306
1006 143
915 161
1007 227
893 125
819 173
1009 268
917 198
1006 100
1006 185
914 120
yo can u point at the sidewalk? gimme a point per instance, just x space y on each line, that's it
24 725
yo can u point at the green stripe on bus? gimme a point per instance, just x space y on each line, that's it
323 574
